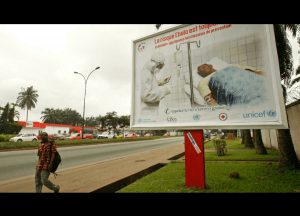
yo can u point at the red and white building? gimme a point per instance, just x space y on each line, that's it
50 128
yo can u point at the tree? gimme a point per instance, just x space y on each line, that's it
4 115
91 121
248 139
288 158
48 115
27 99
258 143
124 121
7 124
9 113
101 121
72 117
12 113
59 116
298 70
243 137
111 120
284 51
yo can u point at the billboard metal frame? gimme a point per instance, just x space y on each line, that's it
282 123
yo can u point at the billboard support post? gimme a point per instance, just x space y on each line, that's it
194 159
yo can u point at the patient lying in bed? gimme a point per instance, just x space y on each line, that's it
231 85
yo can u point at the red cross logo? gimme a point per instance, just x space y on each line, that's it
222 116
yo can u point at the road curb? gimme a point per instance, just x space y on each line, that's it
118 185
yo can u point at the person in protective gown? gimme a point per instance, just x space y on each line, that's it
153 90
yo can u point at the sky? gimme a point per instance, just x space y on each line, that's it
295 49
46 57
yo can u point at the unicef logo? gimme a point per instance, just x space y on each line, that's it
196 117
271 113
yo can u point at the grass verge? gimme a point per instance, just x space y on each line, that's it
243 155
258 173
254 177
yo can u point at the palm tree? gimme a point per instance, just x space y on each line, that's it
284 51
285 144
48 115
27 99
298 70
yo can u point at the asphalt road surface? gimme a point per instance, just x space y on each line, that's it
16 164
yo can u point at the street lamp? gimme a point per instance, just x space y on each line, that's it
85 83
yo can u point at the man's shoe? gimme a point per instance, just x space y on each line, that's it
57 189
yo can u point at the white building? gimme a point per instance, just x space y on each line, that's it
38 127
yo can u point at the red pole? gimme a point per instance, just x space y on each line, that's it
194 159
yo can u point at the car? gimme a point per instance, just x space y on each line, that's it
119 136
58 136
24 137
148 134
167 134
106 135
131 135
77 136
206 135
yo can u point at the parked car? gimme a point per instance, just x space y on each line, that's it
24 137
58 136
206 135
77 136
106 135
119 136
131 135
167 134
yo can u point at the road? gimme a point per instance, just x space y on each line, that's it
16 164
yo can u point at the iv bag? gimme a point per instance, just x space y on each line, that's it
178 56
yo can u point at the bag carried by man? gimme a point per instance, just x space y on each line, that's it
56 162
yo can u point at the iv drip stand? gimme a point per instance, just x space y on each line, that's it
190 66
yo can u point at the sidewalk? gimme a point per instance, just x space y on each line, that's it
91 177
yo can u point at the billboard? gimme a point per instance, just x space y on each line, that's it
207 76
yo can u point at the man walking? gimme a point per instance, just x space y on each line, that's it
46 153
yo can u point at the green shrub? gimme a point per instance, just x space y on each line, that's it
6 137
2 138
10 128
220 146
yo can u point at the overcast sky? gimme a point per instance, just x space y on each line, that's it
46 56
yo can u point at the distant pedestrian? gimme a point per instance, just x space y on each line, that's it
46 153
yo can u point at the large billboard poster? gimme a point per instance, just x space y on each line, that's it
207 76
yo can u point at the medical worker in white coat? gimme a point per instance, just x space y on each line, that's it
153 90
